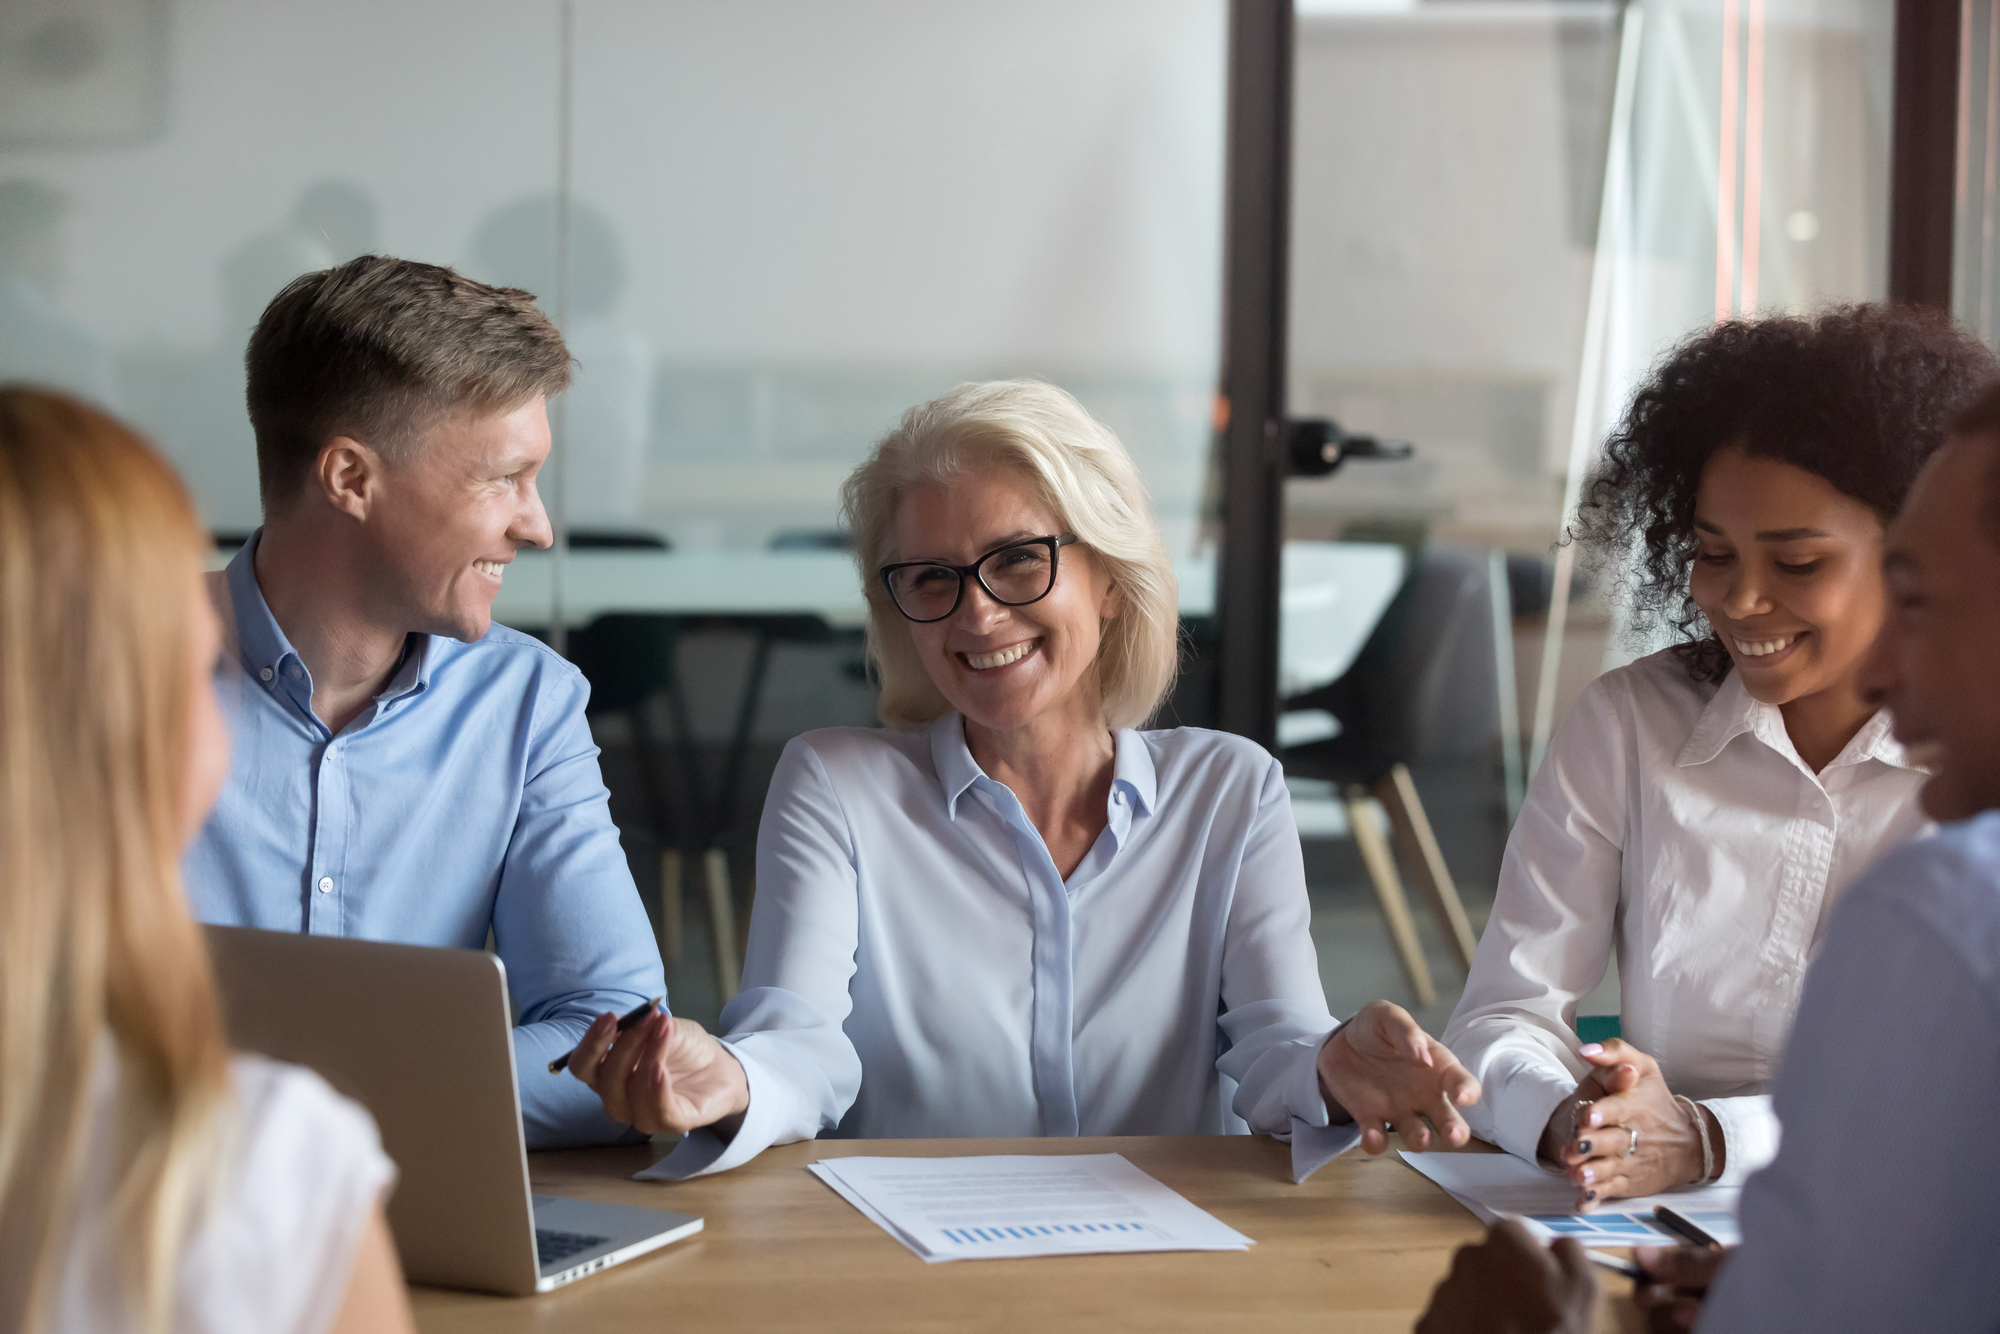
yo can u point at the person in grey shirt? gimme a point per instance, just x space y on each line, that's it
1882 1207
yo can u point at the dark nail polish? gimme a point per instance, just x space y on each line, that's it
1583 1147
1590 1195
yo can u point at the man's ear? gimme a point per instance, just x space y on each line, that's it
349 476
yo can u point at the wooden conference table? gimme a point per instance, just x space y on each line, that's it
1356 1248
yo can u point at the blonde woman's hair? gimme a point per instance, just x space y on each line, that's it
99 558
1082 473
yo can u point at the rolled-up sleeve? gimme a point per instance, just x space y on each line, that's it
785 1026
1274 1015
1551 933
567 921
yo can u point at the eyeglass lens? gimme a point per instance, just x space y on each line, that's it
1013 575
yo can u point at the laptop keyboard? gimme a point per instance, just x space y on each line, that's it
552 1246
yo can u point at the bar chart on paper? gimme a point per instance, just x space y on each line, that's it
1009 1206
1496 1185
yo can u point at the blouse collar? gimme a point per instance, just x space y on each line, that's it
1733 711
1132 772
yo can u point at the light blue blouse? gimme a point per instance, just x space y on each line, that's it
918 967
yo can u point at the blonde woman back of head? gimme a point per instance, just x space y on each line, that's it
147 1181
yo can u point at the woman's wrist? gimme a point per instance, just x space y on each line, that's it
1703 1164
1557 1135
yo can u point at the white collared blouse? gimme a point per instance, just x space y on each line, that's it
1674 822
917 967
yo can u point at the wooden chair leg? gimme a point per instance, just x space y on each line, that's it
670 907
1398 795
722 923
1389 891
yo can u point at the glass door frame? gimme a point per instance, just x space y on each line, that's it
1252 429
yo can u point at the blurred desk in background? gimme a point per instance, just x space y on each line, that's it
1333 593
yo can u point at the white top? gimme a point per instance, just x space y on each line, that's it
1675 822
1863 1224
301 1173
917 967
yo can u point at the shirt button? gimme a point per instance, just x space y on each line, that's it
294 671
264 675
326 884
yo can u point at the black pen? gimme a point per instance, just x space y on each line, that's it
561 1063
1684 1228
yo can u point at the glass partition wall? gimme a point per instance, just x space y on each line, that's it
766 228
769 227
1503 214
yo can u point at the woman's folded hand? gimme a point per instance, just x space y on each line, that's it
1383 1069
661 1074
1630 1137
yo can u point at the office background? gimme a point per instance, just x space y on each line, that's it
768 226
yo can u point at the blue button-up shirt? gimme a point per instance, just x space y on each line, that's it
466 796
919 966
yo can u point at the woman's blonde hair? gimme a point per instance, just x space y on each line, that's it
1082 473
99 557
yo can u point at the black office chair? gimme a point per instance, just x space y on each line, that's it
629 661
618 539
1422 687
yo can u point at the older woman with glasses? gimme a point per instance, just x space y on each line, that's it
1010 913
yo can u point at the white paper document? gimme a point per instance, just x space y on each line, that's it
1013 1205
1493 1185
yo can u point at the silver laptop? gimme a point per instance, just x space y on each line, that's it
420 1037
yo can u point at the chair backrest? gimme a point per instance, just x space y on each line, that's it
1424 686
618 539
625 657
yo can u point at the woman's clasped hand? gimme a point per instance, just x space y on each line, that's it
1624 1134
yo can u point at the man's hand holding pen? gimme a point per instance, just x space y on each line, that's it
661 1073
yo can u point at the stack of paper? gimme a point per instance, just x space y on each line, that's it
1011 1205
1496 1185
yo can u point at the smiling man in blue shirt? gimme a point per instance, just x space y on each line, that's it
404 769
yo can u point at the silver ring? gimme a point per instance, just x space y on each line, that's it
1632 1146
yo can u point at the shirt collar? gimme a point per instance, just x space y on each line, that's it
1734 710
956 769
259 641
262 645
1132 770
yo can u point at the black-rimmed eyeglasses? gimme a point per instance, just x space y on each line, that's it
1013 576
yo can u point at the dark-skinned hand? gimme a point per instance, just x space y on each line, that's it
1677 1282
1512 1284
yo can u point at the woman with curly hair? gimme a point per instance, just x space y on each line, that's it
1700 809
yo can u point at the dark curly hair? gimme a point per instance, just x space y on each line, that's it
1860 395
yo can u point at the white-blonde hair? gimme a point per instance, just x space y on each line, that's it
1082 473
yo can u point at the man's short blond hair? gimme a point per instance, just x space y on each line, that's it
1080 470
380 350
